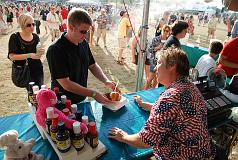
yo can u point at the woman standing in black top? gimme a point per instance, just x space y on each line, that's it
179 30
22 47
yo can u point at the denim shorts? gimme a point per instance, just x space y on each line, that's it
152 68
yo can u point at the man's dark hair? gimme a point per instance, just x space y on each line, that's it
179 27
122 13
216 47
78 16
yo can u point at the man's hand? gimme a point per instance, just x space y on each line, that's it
101 98
112 85
117 134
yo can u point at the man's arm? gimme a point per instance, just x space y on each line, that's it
223 60
96 70
73 87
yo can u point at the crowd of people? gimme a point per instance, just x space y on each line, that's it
181 135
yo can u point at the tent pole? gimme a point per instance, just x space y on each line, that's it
143 41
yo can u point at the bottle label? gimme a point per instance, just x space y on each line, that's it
63 145
53 136
30 99
78 143
95 141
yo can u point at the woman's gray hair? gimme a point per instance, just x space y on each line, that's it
175 56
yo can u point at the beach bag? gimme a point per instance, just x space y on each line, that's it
21 73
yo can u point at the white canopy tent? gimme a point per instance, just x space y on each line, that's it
83 1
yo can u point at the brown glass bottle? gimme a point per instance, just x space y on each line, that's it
79 115
92 135
58 105
63 142
49 116
53 127
77 137
30 92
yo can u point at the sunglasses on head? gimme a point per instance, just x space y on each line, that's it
30 24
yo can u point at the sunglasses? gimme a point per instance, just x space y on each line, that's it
30 24
84 31
166 30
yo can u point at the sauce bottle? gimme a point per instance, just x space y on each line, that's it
63 142
53 127
35 89
85 121
92 135
49 116
65 111
68 104
57 92
77 137
30 92
79 115
74 108
63 100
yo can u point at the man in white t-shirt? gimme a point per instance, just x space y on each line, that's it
53 23
207 61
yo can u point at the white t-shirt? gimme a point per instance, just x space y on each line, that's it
54 21
205 63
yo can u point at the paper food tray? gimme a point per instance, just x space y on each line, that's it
116 106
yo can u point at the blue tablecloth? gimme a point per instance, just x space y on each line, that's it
130 118
194 53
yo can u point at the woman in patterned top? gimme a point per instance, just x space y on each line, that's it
177 125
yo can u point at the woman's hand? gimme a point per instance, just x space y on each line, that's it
40 51
138 100
117 134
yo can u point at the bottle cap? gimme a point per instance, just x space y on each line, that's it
65 111
63 99
56 90
49 112
35 88
68 103
55 119
43 86
74 108
76 127
71 116
31 83
85 120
